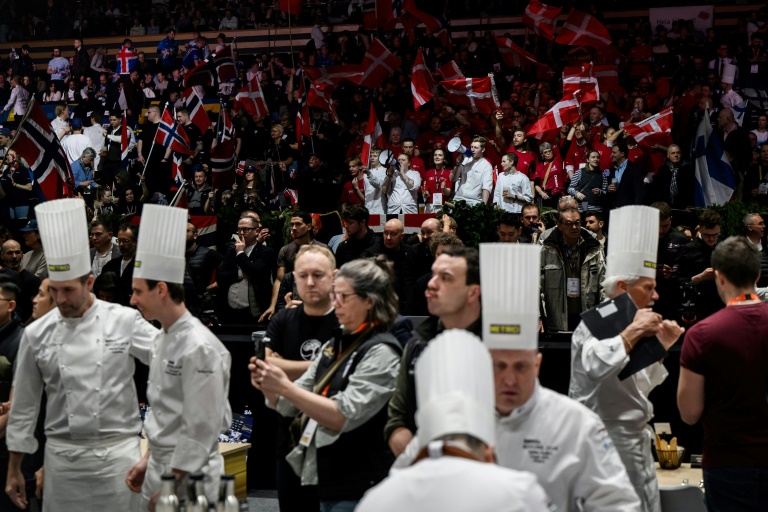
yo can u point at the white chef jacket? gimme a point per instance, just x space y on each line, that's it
86 367
474 177
454 484
402 197
187 389
520 185
375 201
568 449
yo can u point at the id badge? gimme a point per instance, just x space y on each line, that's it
572 287
753 69
762 188
309 433
437 199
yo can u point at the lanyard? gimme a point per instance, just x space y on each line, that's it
742 298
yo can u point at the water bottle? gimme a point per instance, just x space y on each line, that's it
167 501
196 501
227 499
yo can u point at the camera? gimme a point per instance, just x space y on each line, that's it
688 307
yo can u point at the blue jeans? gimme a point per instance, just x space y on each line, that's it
736 489
19 212
338 506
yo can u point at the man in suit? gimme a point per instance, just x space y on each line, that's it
245 275
626 186
127 235
103 250
675 181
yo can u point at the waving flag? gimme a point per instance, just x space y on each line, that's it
564 112
740 111
648 131
319 96
225 65
607 77
197 113
513 55
291 6
126 61
374 136
422 82
582 29
251 98
223 155
177 170
378 65
577 78
173 135
541 18
334 75
475 93
39 146
450 71
715 179
412 16
199 75
126 137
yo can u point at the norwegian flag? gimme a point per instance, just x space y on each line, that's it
581 29
450 71
173 135
302 115
378 65
251 98
334 75
240 170
224 64
374 136
227 128
564 112
223 164
541 18
513 55
126 61
197 113
648 131
421 82
475 93
199 75
319 96
39 146
577 78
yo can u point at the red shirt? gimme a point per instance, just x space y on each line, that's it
526 162
606 162
348 194
433 179
555 185
576 155
427 141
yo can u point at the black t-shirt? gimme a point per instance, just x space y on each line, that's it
297 336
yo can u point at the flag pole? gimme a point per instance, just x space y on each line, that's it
177 195
290 36
21 123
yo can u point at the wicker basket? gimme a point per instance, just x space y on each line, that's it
670 459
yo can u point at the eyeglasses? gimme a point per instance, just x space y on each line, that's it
124 241
340 298
572 224
711 236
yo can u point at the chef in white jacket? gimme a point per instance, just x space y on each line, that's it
82 355
189 367
454 470
538 430
623 405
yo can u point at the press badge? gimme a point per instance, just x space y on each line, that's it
572 287
309 433
437 199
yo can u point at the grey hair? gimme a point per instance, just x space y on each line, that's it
610 283
544 145
372 279
748 218
567 202
89 153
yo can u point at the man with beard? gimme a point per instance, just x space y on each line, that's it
27 282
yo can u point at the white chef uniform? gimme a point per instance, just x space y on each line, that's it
189 368
454 387
85 365
474 176
623 405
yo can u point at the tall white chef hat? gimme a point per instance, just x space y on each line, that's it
161 245
454 388
64 234
509 279
634 239
729 74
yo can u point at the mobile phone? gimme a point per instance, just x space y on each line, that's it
258 344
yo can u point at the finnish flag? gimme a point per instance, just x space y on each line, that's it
715 179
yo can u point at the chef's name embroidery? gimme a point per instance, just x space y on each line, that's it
538 451
116 346
173 368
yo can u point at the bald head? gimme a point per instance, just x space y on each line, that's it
11 255
393 234
429 227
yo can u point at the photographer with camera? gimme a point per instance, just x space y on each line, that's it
671 241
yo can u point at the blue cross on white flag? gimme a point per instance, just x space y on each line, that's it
740 112
715 179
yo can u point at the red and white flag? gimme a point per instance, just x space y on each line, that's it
251 98
450 71
125 139
580 77
320 96
421 82
607 77
513 55
334 75
412 16
475 93
378 65
302 114
581 29
374 136
197 114
224 63
647 131
541 18
564 112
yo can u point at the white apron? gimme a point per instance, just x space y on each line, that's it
634 447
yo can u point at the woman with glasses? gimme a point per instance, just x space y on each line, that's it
550 177
340 403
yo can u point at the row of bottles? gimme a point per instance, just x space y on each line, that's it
169 501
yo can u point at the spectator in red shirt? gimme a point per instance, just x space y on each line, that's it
526 159
550 176
417 164
354 190
436 180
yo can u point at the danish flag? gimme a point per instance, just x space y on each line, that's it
197 113
334 75
513 55
421 82
607 77
648 130
577 78
564 112
378 65
581 29
450 71
319 96
374 136
541 18
475 93
251 98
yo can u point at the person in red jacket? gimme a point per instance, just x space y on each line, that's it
550 175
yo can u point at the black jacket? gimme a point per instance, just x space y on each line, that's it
660 188
355 248
631 190
125 281
258 267
693 259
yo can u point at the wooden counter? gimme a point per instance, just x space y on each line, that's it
234 463
676 476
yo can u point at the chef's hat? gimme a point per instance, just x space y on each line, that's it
729 74
161 245
509 279
634 240
454 388
64 233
